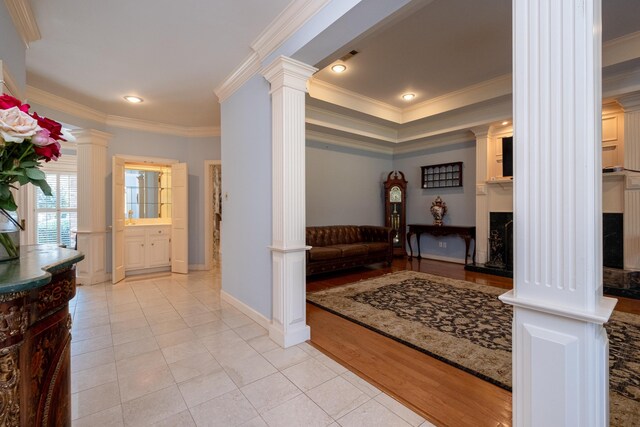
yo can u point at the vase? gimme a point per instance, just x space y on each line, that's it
9 236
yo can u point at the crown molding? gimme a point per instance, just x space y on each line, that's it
613 87
347 142
76 109
92 137
621 49
435 141
332 94
247 69
7 81
469 95
474 94
290 20
329 119
161 128
24 20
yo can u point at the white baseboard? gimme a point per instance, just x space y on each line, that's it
442 258
259 318
197 267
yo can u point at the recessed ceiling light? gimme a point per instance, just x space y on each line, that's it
339 68
408 96
133 99
505 123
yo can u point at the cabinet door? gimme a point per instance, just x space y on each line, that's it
134 252
159 251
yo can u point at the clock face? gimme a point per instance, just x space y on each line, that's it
395 195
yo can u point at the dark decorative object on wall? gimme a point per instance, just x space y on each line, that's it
507 156
395 215
442 176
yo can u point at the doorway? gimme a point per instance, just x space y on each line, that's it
212 212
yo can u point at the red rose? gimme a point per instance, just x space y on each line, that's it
8 101
49 152
54 128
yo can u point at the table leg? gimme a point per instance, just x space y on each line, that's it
418 240
467 243
409 234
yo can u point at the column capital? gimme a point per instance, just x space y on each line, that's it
481 131
91 137
630 102
287 72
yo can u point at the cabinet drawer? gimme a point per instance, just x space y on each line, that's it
159 231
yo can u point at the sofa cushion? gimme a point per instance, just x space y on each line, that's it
377 247
324 252
351 250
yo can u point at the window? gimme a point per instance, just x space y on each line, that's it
56 215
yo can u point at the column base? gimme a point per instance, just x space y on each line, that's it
92 269
291 338
560 365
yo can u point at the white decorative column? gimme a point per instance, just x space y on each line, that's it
631 217
560 348
92 174
288 80
482 197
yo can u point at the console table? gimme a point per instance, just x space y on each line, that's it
465 232
35 343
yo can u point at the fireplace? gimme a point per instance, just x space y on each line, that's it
500 242
499 246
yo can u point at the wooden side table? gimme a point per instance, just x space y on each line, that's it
35 339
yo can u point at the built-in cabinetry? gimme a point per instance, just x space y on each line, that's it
147 246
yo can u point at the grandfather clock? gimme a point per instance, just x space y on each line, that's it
395 215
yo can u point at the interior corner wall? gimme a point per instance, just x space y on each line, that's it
246 195
461 201
12 49
193 151
344 186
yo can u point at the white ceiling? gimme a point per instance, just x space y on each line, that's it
174 54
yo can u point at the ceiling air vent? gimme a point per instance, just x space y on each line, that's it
349 55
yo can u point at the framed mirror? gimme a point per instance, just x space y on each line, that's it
147 191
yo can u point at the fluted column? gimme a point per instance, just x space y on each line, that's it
288 80
631 217
560 348
92 174
482 198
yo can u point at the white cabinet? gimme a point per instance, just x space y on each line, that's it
147 247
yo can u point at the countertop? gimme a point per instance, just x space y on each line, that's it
34 267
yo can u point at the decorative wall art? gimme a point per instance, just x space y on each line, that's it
442 176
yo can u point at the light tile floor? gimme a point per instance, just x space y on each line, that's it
166 351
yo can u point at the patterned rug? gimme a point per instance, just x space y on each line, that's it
465 325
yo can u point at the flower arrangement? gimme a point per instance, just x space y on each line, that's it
26 140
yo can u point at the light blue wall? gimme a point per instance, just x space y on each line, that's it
193 151
460 201
12 49
344 186
246 213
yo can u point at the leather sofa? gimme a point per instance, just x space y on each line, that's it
338 247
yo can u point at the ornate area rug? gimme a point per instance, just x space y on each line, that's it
465 325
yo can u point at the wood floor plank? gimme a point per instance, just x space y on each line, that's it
444 395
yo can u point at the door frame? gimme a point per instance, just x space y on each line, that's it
208 200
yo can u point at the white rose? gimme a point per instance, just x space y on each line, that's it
16 125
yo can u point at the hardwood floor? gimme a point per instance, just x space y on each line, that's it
444 395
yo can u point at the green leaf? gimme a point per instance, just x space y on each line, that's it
5 193
23 180
34 173
16 172
8 204
28 164
44 186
